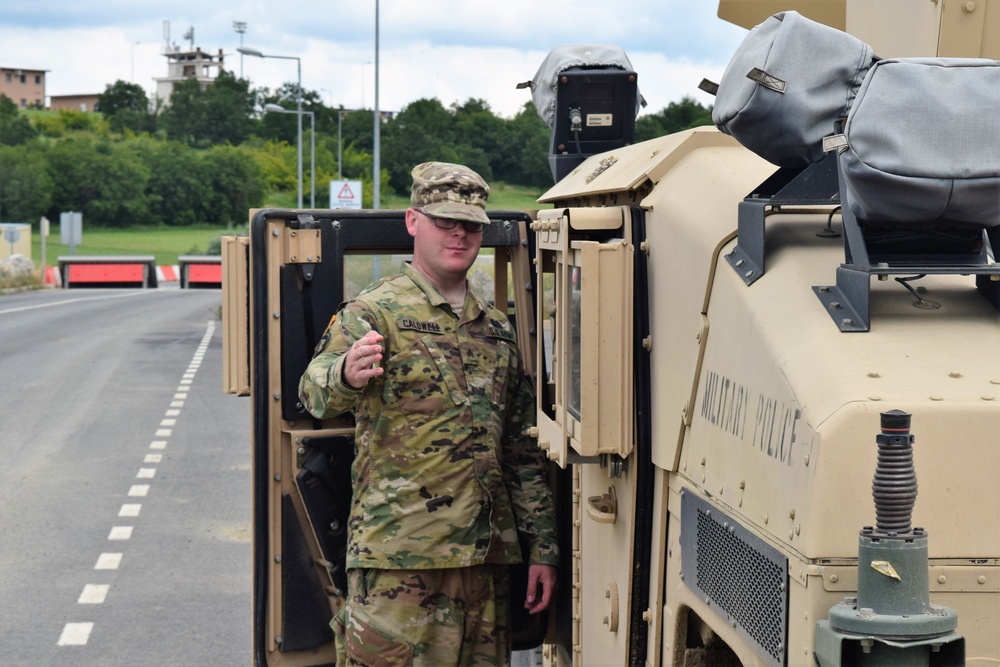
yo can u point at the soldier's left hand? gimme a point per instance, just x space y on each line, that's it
541 587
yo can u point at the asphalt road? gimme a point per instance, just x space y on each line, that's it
124 482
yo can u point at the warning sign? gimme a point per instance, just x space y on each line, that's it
345 194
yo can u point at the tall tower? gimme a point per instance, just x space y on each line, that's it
192 63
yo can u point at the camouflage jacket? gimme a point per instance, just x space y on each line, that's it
444 474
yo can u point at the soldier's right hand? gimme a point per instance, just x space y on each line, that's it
362 361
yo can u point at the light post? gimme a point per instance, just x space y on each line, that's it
254 52
378 124
240 27
276 108
340 144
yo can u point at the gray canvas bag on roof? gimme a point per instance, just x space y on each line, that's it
787 84
922 142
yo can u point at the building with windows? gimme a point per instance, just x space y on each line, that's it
85 102
183 65
26 87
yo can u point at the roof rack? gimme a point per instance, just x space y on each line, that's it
871 247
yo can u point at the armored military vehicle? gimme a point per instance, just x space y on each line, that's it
739 381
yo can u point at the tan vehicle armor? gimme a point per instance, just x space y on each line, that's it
739 380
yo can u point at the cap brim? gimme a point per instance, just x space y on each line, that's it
457 211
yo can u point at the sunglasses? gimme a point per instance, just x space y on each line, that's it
448 223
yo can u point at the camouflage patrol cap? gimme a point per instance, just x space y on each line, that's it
445 190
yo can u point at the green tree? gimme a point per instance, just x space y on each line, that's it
126 106
675 117
358 129
105 181
179 188
422 131
277 161
15 128
80 121
284 126
525 158
25 185
236 182
484 139
218 114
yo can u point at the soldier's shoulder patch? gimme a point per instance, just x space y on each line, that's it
411 324
321 345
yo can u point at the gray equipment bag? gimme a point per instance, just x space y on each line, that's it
787 84
922 142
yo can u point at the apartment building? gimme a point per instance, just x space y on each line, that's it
26 87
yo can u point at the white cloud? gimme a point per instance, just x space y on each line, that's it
452 51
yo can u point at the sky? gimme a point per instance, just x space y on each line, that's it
453 50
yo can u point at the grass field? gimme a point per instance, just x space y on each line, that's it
167 243
164 243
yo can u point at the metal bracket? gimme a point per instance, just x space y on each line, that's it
814 185
303 245
848 301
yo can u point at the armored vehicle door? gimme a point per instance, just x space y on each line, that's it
282 285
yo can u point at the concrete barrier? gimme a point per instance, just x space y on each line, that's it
108 271
200 271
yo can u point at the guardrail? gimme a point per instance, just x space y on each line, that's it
108 271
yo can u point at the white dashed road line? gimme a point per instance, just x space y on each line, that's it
108 562
75 634
78 634
120 533
94 594
129 509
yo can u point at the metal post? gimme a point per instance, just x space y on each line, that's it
299 62
312 159
43 230
340 145
240 27
376 168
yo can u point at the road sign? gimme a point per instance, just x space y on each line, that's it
345 194
15 239
71 229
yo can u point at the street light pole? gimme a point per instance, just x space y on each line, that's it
277 108
300 129
254 52
376 168
240 27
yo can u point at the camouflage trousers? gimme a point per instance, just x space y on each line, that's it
425 618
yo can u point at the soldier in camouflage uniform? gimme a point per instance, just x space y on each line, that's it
445 476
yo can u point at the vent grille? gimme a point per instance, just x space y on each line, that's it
740 576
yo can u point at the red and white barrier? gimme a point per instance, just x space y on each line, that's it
53 276
108 271
168 274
